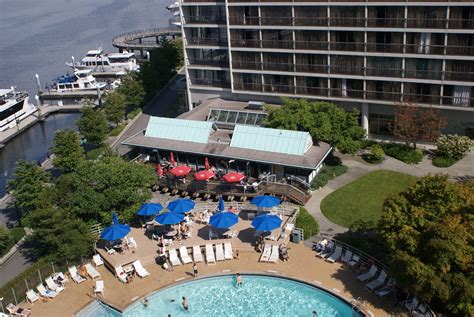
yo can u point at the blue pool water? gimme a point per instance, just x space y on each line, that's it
218 296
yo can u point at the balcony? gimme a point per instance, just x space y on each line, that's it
464 24
206 41
208 62
421 23
383 72
198 19
460 50
423 74
459 76
386 22
277 88
280 21
239 20
210 82
311 21
422 98
385 47
351 22
248 86
457 102
420 49
201 1
246 65
347 46
245 43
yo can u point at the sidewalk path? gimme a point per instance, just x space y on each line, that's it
461 170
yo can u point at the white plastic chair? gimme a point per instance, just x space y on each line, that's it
197 254
275 254
183 253
92 272
97 260
173 257
141 271
220 252
53 286
45 292
228 253
368 275
99 287
32 296
267 250
210 258
75 276
121 275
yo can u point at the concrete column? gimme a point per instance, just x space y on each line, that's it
365 117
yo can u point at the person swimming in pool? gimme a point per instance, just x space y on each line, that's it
238 280
145 302
185 303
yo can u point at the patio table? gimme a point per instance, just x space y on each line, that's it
171 233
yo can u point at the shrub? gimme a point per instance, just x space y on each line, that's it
327 173
442 161
365 144
307 222
375 155
453 146
5 239
403 153
117 130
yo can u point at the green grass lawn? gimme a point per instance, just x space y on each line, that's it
363 198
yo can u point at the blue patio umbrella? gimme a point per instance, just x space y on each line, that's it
220 207
169 218
115 231
181 205
265 201
223 220
266 222
149 209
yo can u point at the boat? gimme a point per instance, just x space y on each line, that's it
14 107
81 80
174 9
98 61
174 6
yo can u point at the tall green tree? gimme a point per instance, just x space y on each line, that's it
93 125
114 106
429 230
67 150
29 186
132 88
324 121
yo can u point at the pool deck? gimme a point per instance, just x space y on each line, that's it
303 265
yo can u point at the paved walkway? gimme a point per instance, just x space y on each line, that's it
357 168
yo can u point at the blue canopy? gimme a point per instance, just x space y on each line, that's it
223 220
266 222
169 218
115 231
221 207
265 201
149 209
181 205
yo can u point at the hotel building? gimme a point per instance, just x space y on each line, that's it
368 55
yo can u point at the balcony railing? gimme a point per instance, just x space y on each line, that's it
206 41
210 82
342 21
215 19
459 76
239 20
208 62
426 23
386 22
192 1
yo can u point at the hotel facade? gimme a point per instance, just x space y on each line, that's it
359 54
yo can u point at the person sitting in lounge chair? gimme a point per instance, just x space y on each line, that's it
17 311
284 252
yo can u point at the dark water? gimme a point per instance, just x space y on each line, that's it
40 36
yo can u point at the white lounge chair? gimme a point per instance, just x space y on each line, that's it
197 255
210 254
354 261
110 250
32 296
347 256
92 272
64 280
228 253
75 276
386 290
220 252
378 282
97 260
121 275
141 271
53 286
99 287
422 311
131 243
267 250
368 275
17 311
46 292
336 255
412 304
183 253
275 254
173 257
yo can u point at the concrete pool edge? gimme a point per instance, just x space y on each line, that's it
265 274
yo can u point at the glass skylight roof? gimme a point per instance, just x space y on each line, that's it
232 117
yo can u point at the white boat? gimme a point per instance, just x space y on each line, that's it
80 80
14 107
174 9
98 61
173 6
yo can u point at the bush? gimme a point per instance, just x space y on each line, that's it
403 153
453 146
365 144
327 173
375 154
117 130
94 153
5 240
307 222
132 114
442 161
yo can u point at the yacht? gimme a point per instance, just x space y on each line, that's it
98 61
174 9
14 107
81 80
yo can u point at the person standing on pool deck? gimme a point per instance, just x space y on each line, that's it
195 270
185 303
238 280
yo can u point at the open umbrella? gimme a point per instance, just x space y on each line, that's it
181 170
181 205
115 231
233 177
265 201
159 170
220 207
266 222
169 218
172 161
206 163
149 209
223 220
204 175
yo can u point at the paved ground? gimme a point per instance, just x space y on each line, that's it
357 168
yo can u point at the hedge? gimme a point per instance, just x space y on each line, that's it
403 153
307 222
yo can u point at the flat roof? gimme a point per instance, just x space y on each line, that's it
179 129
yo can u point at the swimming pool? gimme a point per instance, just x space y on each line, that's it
219 296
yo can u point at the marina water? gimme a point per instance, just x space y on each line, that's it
40 36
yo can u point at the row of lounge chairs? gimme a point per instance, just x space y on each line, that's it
222 252
50 291
270 253
137 266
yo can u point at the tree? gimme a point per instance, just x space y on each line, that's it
93 125
429 230
114 106
413 123
132 88
29 186
324 121
453 146
67 150
5 239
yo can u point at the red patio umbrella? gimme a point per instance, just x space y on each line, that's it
159 170
172 161
233 177
181 170
206 163
204 175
